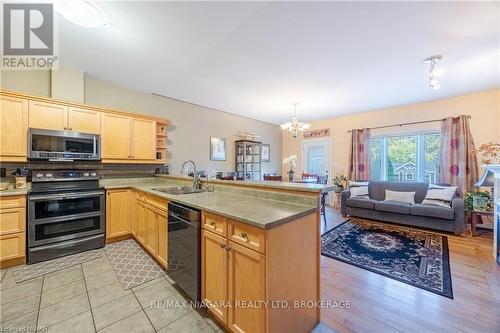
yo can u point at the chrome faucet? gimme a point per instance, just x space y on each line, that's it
196 177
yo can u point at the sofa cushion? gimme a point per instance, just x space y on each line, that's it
361 202
404 197
432 211
392 207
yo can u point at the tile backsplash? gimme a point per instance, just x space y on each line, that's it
106 171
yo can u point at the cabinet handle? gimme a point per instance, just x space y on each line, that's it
222 245
133 156
212 224
229 248
65 128
70 129
244 235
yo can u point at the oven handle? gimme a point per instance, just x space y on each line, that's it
182 220
65 196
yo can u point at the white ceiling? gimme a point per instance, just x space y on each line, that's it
256 58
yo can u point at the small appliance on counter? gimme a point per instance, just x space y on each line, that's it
66 213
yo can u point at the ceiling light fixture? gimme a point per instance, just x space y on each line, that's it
84 13
433 71
295 127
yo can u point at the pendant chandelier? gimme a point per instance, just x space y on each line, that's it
295 127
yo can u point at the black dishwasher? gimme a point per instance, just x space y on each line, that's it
184 248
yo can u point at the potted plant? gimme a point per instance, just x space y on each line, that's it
291 161
339 180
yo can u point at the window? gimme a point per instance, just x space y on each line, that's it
405 158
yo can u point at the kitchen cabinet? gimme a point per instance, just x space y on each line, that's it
12 230
162 227
117 213
48 116
60 117
13 129
143 142
151 241
127 139
115 137
214 273
84 120
245 268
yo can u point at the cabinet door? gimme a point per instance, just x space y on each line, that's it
48 116
133 213
161 218
151 230
13 129
12 246
141 222
117 213
214 273
115 136
12 220
85 121
246 283
143 140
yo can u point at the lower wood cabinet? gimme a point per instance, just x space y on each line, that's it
12 230
245 269
148 224
117 213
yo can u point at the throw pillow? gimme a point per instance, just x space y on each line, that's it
404 197
359 189
438 195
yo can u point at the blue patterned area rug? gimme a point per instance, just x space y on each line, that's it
416 257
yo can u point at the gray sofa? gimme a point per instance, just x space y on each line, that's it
418 215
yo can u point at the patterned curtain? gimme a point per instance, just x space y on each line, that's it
359 159
458 165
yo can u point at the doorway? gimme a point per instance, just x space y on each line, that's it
316 157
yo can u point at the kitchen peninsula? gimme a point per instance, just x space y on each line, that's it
259 242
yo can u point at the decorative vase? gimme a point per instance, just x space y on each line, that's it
290 175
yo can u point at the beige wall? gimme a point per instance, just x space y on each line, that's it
192 125
484 107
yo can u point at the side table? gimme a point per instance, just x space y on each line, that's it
475 216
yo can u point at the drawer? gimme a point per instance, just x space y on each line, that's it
12 246
157 202
12 202
246 235
214 223
12 220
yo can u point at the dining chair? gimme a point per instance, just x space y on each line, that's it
323 180
309 176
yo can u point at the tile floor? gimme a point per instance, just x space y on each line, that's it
88 298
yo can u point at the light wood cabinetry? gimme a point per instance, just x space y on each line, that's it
142 146
125 137
117 213
84 121
247 283
13 129
148 221
115 137
12 230
214 273
48 116
247 268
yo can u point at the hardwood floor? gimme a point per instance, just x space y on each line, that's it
380 304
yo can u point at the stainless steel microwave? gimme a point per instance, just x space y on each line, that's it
63 145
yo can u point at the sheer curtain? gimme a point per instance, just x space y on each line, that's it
359 159
458 162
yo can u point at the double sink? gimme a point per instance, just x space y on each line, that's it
177 190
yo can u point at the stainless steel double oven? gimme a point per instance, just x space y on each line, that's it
66 214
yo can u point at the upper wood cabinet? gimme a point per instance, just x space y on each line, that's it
85 121
13 129
48 116
115 136
127 138
143 144
59 117
117 213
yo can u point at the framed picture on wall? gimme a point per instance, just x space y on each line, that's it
266 153
217 149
